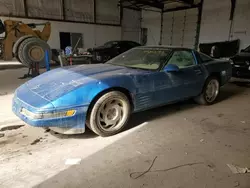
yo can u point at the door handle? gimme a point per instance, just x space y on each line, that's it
198 71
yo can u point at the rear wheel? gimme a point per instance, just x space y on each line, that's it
109 114
32 50
210 92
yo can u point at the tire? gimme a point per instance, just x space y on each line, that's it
111 108
17 44
1 50
32 50
204 98
55 55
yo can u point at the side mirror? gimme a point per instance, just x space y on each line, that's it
242 50
171 68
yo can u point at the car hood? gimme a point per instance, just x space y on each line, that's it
241 58
55 83
242 54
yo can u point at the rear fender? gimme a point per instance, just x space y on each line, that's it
223 70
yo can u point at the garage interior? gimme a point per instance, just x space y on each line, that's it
181 145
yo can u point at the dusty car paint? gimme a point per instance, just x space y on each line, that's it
77 86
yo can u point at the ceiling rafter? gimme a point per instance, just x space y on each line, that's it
158 4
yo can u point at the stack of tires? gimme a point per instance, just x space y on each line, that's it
30 49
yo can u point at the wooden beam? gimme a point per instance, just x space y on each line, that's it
131 8
63 10
197 39
161 31
233 4
139 3
181 8
60 20
121 14
94 2
154 4
25 8
189 2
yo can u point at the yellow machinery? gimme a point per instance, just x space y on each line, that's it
24 42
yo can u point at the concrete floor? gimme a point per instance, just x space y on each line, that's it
191 145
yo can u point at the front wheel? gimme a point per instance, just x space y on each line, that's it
109 114
210 92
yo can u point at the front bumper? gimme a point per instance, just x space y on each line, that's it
67 125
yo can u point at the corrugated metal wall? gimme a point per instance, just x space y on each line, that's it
241 23
190 27
45 8
215 23
152 21
107 12
180 28
167 30
131 25
12 7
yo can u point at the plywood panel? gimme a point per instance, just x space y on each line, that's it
107 11
12 7
50 9
79 10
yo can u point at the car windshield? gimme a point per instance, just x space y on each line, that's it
142 58
110 44
247 49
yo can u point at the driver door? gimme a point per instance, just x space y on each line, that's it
185 83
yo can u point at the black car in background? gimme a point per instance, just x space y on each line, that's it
110 49
241 64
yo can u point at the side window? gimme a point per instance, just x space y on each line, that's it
205 58
123 45
182 59
247 49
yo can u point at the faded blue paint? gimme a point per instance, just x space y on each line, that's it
195 59
75 87
47 60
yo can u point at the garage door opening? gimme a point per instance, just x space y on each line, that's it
71 39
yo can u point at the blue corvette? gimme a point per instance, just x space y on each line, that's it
102 96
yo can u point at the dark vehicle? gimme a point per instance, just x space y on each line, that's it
110 49
241 64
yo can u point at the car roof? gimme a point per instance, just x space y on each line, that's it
166 47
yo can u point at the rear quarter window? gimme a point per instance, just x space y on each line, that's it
205 58
133 44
